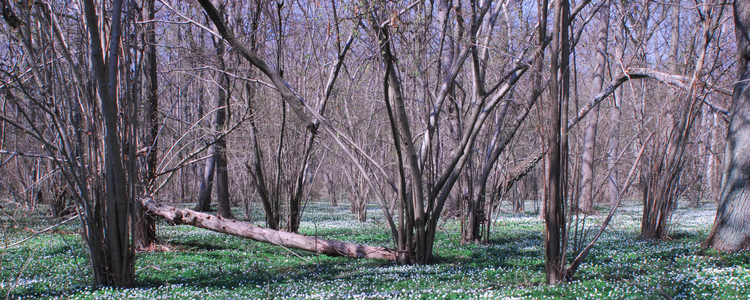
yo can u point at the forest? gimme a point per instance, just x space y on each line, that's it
589 149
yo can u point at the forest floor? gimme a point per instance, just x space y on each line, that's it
194 263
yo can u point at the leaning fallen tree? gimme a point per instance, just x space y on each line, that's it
265 235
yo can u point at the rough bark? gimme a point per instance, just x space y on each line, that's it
265 235
731 230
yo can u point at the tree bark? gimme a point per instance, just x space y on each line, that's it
118 267
222 121
146 228
731 230
555 201
265 235
585 202
207 182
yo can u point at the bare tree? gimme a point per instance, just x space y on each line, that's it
80 129
662 188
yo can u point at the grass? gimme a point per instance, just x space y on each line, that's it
207 265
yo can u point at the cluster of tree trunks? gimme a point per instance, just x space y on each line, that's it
92 138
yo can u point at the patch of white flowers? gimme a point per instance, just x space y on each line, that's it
207 265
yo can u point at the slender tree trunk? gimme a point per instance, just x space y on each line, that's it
713 165
555 198
731 230
586 200
708 184
613 193
613 190
402 133
332 189
207 182
255 165
146 228
295 199
222 121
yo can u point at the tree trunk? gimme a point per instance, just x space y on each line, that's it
585 202
403 138
207 182
332 189
613 193
714 164
222 120
265 235
555 198
731 230
117 257
146 228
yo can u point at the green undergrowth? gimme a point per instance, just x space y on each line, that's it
193 263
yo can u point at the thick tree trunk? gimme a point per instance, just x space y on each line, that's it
265 235
222 180
731 231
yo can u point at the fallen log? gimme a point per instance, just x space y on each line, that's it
265 235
